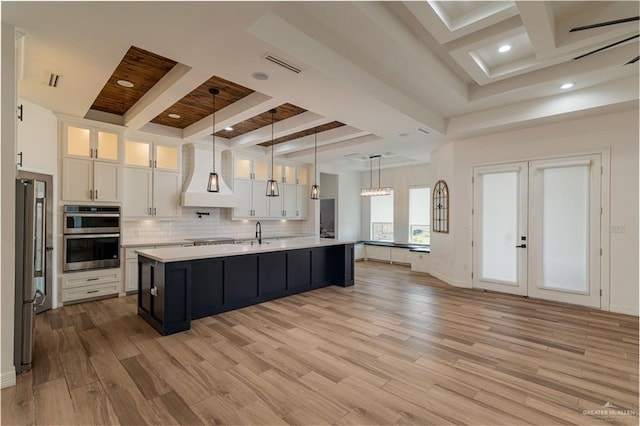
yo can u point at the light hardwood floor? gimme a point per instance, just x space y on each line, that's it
396 348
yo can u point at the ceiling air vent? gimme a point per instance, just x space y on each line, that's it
425 131
281 62
53 80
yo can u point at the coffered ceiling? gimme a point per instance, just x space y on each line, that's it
398 78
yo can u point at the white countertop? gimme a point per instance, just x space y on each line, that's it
178 254
147 243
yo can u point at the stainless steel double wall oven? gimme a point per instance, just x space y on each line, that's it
91 237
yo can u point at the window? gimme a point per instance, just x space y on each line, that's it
419 212
382 218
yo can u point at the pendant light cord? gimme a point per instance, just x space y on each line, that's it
214 132
272 115
379 172
315 156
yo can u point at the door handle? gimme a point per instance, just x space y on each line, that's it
522 246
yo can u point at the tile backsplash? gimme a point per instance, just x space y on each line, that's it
217 224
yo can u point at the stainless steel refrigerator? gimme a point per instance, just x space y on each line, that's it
33 260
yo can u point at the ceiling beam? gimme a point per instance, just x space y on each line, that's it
251 105
537 18
338 134
176 84
294 124
328 147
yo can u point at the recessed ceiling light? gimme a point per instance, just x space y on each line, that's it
504 48
174 116
229 129
260 76
125 83
567 86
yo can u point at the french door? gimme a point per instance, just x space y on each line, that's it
536 229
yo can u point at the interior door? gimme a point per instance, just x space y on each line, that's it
500 228
536 229
565 210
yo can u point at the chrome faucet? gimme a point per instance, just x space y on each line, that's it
259 232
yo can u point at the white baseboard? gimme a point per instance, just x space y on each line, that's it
624 310
8 378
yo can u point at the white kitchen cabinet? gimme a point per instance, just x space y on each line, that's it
358 252
89 180
138 198
155 155
302 201
400 255
151 180
37 139
284 206
89 142
378 253
81 286
252 199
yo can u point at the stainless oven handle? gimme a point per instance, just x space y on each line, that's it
92 214
78 236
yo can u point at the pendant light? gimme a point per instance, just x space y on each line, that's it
213 185
315 188
272 184
374 191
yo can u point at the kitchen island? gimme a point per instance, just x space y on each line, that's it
180 284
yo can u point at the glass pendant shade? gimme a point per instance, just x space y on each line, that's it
315 192
374 191
272 188
213 186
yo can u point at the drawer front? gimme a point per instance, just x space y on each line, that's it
88 292
88 280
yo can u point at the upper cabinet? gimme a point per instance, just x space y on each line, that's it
88 142
152 180
250 175
91 169
154 155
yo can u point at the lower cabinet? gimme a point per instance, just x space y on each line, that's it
173 294
82 286
164 298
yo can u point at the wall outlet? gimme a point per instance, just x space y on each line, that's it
616 229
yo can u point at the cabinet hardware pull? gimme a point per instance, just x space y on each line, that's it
96 152
155 211
93 279
151 163
149 214
20 162
96 194
155 164
92 291
20 115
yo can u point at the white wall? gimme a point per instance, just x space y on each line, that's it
617 131
400 179
7 206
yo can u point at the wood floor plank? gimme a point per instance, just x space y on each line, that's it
397 348
53 403
92 406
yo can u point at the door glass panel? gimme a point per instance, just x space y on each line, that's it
302 176
243 168
78 141
167 157
565 228
108 146
290 174
500 226
136 154
261 169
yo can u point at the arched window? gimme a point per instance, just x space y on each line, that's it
441 207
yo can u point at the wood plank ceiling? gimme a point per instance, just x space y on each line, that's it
199 103
144 69
138 66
